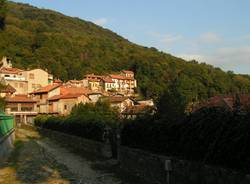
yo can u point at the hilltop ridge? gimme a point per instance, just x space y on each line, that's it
70 47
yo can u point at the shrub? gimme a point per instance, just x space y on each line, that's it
88 121
213 136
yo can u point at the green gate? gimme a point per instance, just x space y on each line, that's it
6 124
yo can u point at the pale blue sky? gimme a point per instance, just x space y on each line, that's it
211 31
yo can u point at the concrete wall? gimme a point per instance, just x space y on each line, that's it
6 145
78 143
152 168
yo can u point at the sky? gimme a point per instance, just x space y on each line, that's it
211 31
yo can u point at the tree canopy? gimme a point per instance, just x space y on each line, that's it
70 47
3 10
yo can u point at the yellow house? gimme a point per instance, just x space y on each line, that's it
63 104
42 95
36 78
94 84
107 84
13 77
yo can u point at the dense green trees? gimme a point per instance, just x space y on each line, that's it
86 120
212 136
70 47
3 10
171 105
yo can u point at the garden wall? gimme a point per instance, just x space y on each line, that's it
158 169
78 143
155 169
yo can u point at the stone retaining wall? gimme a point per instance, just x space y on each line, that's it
155 169
78 143
158 169
6 145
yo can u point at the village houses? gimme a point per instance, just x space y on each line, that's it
24 81
123 83
31 92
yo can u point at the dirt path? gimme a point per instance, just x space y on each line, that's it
37 160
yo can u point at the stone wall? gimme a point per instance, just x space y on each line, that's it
153 169
78 143
6 145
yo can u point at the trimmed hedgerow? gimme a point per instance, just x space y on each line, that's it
88 121
214 136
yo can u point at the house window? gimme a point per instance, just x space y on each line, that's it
14 109
31 76
21 85
41 97
65 107
16 85
26 109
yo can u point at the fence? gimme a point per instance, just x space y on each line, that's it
7 135
6 124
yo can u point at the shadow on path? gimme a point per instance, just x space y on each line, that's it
31 164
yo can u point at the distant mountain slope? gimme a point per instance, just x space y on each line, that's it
69 48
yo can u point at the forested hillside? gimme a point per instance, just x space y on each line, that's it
69 48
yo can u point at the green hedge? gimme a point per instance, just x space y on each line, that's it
213 136
78 126
86 120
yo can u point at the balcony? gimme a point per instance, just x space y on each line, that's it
15 78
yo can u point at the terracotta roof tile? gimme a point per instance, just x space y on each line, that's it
8 89
74 90
20 98
127 71
224 101
120 77
57 81
75 81
46 89
108 80
65 96
10 70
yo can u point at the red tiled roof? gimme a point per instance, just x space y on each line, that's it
8 89
108 80
127 71
75 81
66 96
117 77
20 98
120 77
227 101
93 76
46 89
74 90
55 98
69 96
10 70
245 100
57 81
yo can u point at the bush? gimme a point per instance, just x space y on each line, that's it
214 136
88 121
